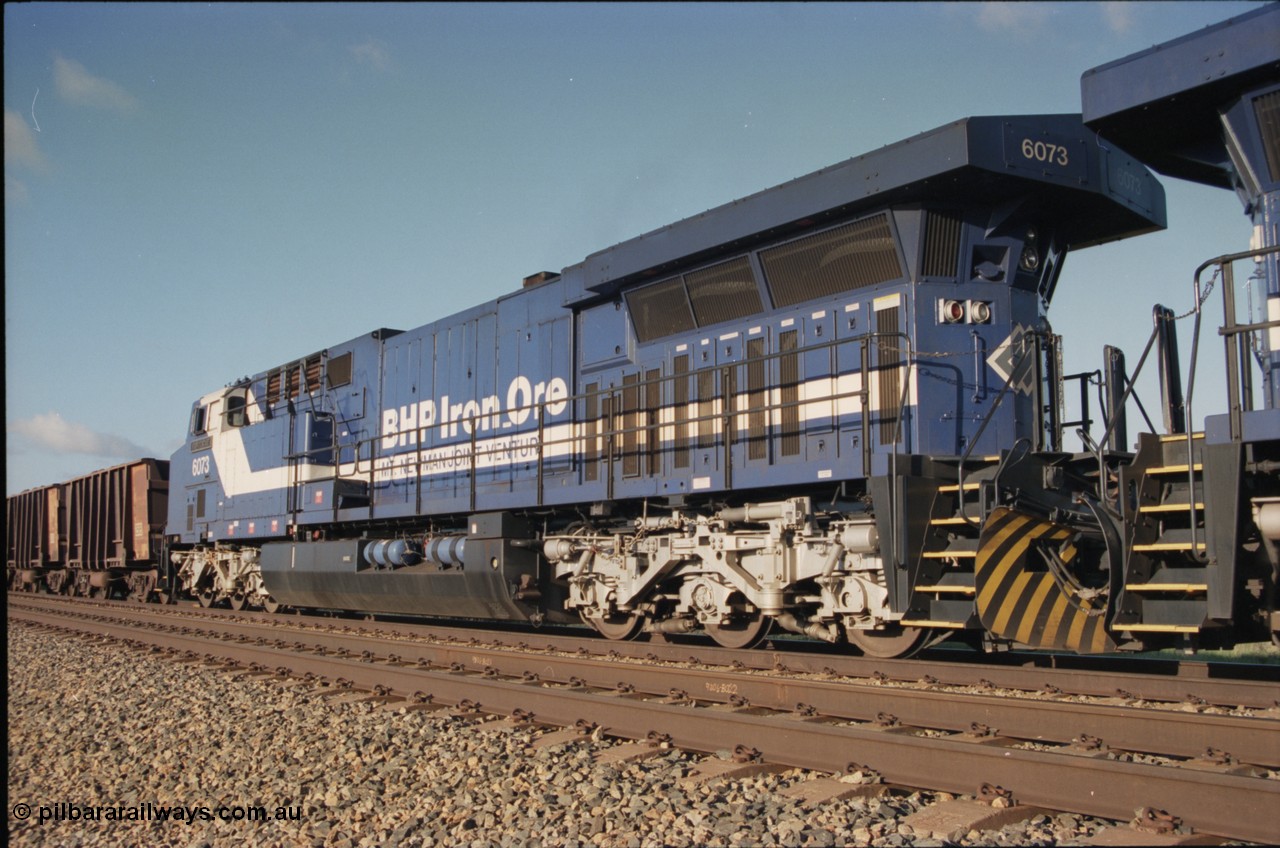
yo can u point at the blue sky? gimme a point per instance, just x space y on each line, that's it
194 193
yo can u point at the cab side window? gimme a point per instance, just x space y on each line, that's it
235 414
199 417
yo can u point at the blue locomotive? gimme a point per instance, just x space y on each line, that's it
744 419
833 408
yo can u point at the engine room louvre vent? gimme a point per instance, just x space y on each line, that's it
313 374
1267 110
723 292
843 259
941 245
661 309
888 355
339 370
273 386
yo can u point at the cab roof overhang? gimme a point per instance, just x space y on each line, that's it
967 162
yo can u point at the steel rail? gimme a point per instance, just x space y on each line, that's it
1168 681
1234 806
1162 732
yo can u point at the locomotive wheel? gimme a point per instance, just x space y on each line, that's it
206 598
238 602
744 632
888 643
617 627
270 604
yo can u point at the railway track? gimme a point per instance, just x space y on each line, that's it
1215 770
1190 683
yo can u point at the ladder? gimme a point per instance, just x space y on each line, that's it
1166 573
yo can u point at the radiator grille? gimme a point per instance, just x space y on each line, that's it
843 259
723 292
698 299
941 245
661 309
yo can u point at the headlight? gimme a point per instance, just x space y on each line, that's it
1030 259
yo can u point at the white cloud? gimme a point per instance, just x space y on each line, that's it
20 146
1018 18
372 52
52 432
76 85
15 190
1118 16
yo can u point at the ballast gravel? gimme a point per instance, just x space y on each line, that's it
111 746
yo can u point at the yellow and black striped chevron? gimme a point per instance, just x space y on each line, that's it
1020 598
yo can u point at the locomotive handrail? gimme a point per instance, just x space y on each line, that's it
896 507
986 419
1229 329
1233 380
1086 379
1113 417
613 430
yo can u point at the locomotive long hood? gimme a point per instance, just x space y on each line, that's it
1094 192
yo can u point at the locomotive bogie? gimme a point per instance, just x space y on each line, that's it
223 573
689 571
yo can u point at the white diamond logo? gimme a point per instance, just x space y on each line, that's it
1014 360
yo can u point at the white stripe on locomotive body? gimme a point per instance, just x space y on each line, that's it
888 301
230 459
818 405
820 401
